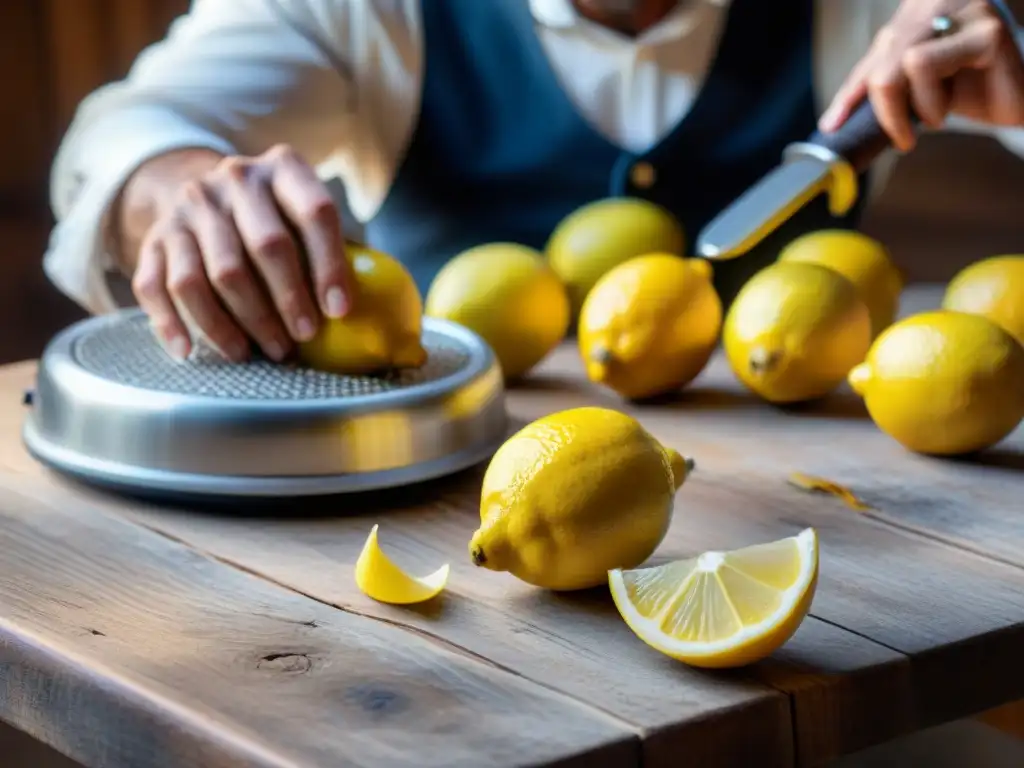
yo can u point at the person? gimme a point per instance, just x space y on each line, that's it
454 122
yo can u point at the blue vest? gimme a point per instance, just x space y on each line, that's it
500 153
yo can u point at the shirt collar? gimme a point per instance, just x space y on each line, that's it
562 14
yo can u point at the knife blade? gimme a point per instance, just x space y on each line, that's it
823 164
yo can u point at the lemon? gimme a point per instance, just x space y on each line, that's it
378 577
508 295
943 382
795 330
861 260
595 238
993 288
383 326
573 495
649 325
722 609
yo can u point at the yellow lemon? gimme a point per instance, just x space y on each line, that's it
383 326
573 495
508 295
943 382
861 260
722 609
795 330
650 325
378 577
993 288
599 236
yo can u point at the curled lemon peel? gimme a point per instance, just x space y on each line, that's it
820 484
379 578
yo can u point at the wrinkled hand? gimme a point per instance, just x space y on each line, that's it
229 253
975 72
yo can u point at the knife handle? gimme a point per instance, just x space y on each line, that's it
860 139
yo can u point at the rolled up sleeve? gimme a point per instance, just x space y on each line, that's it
234 77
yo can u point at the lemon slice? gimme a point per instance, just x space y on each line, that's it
385 582
721 609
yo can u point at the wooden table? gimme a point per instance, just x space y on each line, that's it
132 635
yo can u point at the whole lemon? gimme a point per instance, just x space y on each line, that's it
573 495
649 325
383 326
861 260
507 294
943 382
601 235
795 330
993 288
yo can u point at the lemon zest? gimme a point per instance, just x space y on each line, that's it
822 485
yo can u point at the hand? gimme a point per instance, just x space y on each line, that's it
976 71
228 251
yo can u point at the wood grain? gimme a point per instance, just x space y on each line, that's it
121 648
902 618
575 644
897 588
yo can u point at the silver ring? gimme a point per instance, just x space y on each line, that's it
944 26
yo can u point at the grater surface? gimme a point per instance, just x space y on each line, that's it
128 353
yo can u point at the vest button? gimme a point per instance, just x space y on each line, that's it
642 175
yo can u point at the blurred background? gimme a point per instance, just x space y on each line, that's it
954 200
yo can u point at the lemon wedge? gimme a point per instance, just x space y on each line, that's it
721 609
378 577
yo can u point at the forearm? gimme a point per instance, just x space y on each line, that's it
231 78
150 191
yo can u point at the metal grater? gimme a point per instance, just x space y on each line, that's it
110 407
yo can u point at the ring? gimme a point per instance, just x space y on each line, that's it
944 26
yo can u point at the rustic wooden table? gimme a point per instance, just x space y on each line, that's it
133 635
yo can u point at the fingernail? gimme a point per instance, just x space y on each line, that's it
336 303
177 347
828 120
305 328
275 351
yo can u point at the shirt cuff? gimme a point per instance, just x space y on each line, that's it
96 168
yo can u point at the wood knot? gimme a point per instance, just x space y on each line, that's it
288 663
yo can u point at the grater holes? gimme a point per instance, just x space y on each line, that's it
126 352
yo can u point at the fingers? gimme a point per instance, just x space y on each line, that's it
252 250
309 205
929 95
879 76
888 90
850 94
192 294
909 71
981 45
273 251
228 270
149 284
931 62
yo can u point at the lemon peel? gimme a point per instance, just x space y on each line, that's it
812 483
378 577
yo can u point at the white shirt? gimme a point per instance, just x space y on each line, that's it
340 80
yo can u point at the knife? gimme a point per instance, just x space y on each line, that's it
823 164
826 163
